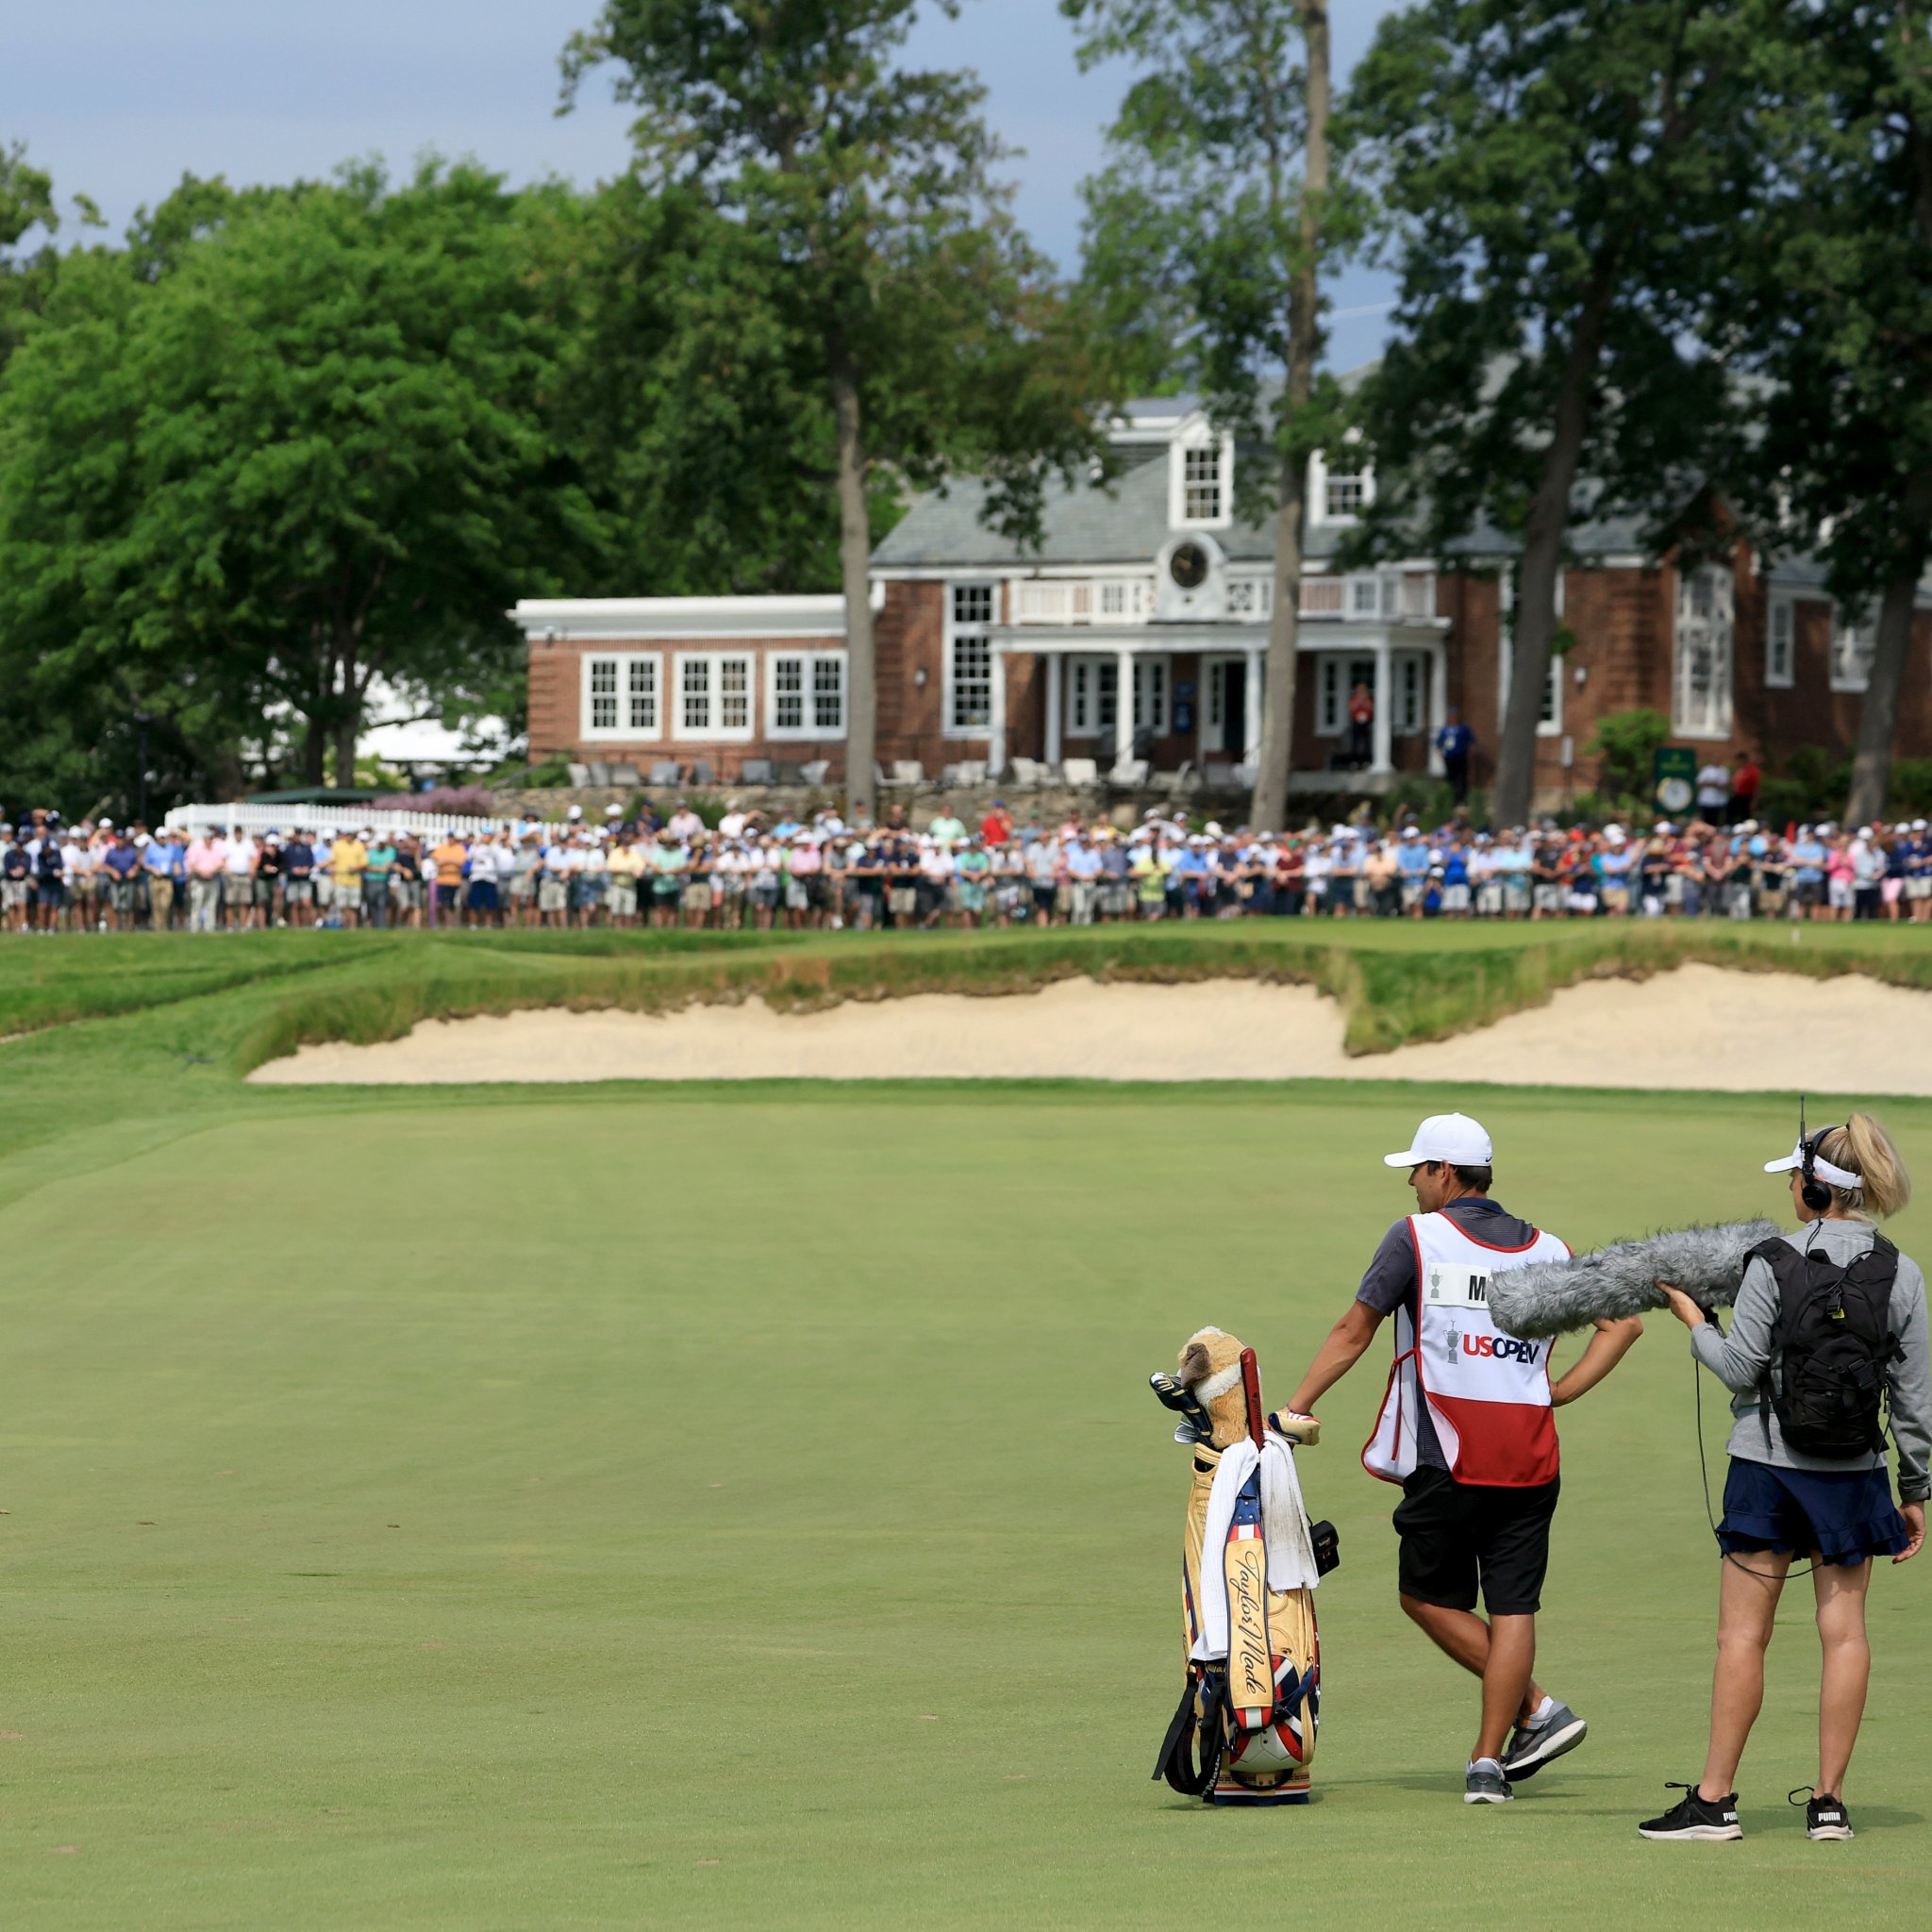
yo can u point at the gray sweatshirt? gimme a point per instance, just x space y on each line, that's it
1738 1359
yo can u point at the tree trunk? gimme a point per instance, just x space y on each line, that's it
1878 714
855 579
314 753
349 724
1543 531
1269 808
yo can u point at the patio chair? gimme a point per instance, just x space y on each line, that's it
1025 773
816 772
702 773
626 774
1178 784
1217 773
755 772
907 772
600 773
787 772
1129 774
579 777
1081 773
1244 776
667 772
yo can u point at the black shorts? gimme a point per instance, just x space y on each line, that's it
1454 1535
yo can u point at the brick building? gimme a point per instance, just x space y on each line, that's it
1137 633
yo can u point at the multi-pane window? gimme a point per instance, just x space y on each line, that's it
1151 687
1410 670
968 658
1339 675
1701 670
714 694
807 695
1549 720
1091 683
621 695
1345 493
1853 644
1201 484
1364 595
1781 644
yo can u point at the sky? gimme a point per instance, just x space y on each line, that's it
120 98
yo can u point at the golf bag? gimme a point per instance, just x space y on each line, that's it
1245 1728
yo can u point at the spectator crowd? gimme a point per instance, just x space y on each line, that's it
746 873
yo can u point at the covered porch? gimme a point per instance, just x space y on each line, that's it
1151 700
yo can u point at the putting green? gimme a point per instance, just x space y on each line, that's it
746 1508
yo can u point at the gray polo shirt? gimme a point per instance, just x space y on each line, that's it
1390 1282
1740 1358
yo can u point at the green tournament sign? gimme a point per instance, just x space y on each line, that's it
1674 777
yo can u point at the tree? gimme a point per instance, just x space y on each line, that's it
27 202
1562 178
1209 230
1838 324
936 331
308 452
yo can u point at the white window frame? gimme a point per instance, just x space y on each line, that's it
1334 680
1197 441
811 663
1409 693
1846 637
714 731
1549 722
1780 652
1715 633
956 631
1152 693
624 665
1320 472
1093 704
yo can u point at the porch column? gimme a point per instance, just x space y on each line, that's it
1251 708
1123 708
1381 736
1056 683
1439 703
996 716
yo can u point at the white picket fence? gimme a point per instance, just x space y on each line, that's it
256 819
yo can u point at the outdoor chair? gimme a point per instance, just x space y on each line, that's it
1244 776
970 771
667 772
787 771
817 772
600 773
1178 784
907 772
700 773
1027 773
626 774
1218 774
1081 773
579 777
755 772
1129 774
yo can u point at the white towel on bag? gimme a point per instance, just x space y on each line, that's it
1284 1528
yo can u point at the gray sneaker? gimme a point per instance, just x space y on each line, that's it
1534 1745
1485 1784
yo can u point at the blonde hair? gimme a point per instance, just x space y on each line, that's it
1864 1147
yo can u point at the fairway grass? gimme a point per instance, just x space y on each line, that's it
526 1510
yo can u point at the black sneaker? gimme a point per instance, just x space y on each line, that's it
1692 1817
1824 1818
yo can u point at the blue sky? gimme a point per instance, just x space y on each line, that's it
119 98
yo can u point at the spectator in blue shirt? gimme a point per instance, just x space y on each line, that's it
1455 741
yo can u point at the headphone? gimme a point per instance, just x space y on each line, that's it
1814 1193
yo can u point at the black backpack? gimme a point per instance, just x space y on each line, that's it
1833 1340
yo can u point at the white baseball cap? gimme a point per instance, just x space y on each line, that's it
1451 1137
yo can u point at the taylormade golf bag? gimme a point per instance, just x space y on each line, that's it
1245 1728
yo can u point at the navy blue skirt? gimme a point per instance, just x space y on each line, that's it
1845 1515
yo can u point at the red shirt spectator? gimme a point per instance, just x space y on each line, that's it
996 827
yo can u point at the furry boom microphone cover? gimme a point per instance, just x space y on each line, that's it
1550 1298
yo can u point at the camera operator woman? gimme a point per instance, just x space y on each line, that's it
1824 1320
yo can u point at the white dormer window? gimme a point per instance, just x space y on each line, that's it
1339 488
1201 482
1854 644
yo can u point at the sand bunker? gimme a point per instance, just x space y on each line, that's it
1699 1026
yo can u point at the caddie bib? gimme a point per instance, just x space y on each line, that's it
1488 1392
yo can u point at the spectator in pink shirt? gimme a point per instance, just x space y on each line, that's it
208 853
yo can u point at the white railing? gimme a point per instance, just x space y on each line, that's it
1083 600
1386 596
256 819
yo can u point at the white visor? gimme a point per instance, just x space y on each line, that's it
1832 1177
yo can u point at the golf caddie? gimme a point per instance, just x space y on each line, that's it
1466 1428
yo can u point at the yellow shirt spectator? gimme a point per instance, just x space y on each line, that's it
348 859
448 860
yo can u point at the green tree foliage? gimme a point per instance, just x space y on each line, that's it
296 444
1562 178
1627 742
938 340
26 203
1205 237
1831 305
